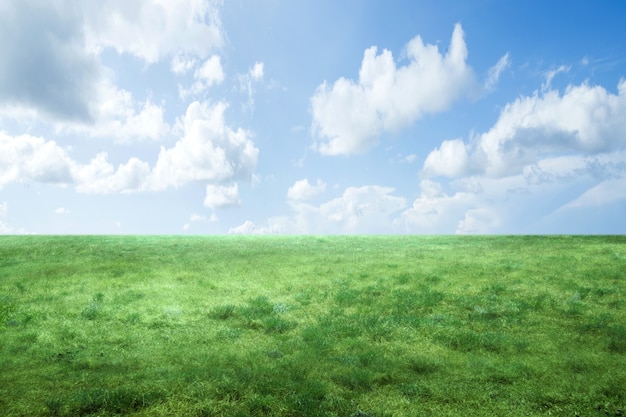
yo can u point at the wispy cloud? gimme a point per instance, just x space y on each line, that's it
549 76
493 76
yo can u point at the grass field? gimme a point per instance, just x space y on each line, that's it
313 326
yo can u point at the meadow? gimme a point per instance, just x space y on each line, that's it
361 326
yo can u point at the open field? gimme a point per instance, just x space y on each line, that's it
313 326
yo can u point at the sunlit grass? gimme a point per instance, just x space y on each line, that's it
319 326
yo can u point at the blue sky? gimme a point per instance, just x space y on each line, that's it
312 117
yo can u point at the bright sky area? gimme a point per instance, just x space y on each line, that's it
312 117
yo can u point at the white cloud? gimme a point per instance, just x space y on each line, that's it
246 228
362 209
249 228
348 116
218 196
154 29
246 81
256 72
100 177
366 209
197 218
494 72
584 120
44 67
117 116
209 151
200 218
434 211
209 73
529 201
550 76
479 221
401 158
450 159
32 159
61 211
303 190
76 92
182 64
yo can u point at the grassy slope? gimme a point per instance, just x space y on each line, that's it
392 326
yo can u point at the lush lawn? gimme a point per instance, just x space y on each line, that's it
313 326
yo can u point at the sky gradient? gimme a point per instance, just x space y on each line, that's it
312 117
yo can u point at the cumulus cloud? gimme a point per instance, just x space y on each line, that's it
154 29
209 150
542 150
480 205
34 36
54 73
434 211
348 115
303 190
117 115
208 74
450 159
584 120
366 209
33 159
101 177
219 196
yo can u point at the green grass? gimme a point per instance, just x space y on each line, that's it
313 326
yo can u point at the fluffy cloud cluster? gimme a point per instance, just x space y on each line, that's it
27 158
547 158
77 95
209 152
584 120
548 144
76 92
366 209
348 116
